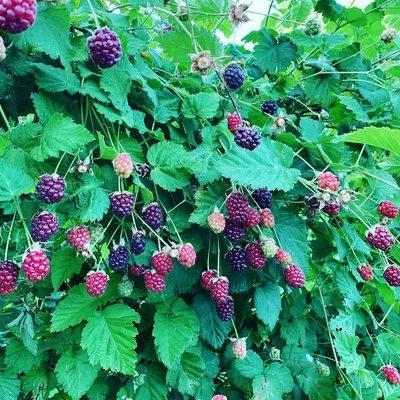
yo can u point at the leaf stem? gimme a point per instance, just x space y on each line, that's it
3 115
9 237
94 15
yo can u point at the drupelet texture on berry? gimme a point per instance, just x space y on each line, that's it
253 218
162 263
154 281
366 272
187 255
121 203
388 209
380 238
206 278
269 247
96 283
125 287
267 219
392 275
138 245
238 208
8 277
234 76
138 270
153 216
219 288
119 258
216 222
104 48
79 237
36 265
283 257
50 188
239 348
234 122
388 35
236 258
247 137
269 107
391 374
17 16
123 165
255 256
263 197
225 309
327 180
332 208
312 205
234 232
294 276
313 27
43 226
96 233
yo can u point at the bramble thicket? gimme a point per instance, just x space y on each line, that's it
187 219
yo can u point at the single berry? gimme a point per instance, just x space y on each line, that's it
312 205
138 244
255 256
17 16
236 258
239 348
162 263
283 257
121 203
331 208
391 374
123 165
269 247
234 232
275 354
3 50
253 218
187 255
96 233
219 288
238 208
225 309
269 107
8 277
153 216
263 197
36 265
313 27
247 137
294 276
392 275
380 238
234 122
234 76
323 369
219 397
138 270
388 209
43 226
388 35
119 258
50 188
216 222
125 287
104 48
206 278
366 272
154 281
267 219
327 180
96 283
79 237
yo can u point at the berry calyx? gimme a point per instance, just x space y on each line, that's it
121 203
206 278
239 348
43 226
36 265
263 197
79 237
187 255
50 188
123 165
380 238
247 137
366 272
388 209
216 222
234 122
153 216
234 232
17 16
219 288
327 180
233 76
119 258
238 208
294 276
104 48
8 277
283 257
255 256
253 218
236 257
162 263
269 107
392 275
391 374
225 309
267 219
154 281
96 283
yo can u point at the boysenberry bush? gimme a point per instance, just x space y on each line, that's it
186 219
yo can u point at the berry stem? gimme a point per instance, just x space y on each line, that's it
171 220
59 162
150 228
9 237
235 329
3 115
21 216
218 253
228 93
94 15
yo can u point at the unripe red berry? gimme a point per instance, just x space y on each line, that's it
327 180
36 265
388 209
219 288
206 278
123 165
391 374
96 283
187 255
294 276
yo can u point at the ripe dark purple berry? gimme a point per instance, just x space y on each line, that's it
247 137
17 16
104 48
43 226
381 238
138 244
233 76
119 258
236 258
50 188
255 256
392 275
121 203
269 107
238 208
8 277
234 232
225 309
263 197
153 216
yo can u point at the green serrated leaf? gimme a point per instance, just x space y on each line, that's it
267 301
251 366
9 387
64 263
